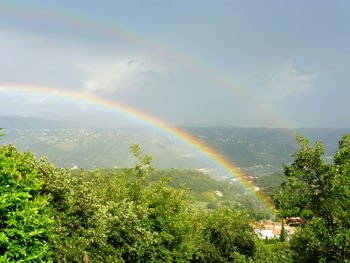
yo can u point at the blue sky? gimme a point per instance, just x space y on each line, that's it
241 63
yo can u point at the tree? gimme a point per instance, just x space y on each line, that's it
283 236
227 237
25 222
319 193
272 251
118 216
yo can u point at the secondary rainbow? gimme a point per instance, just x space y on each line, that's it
110 28
179 133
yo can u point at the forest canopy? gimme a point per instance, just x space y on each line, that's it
141 215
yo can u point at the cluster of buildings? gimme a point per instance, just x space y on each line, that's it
269 230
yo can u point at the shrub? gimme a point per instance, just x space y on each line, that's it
25 223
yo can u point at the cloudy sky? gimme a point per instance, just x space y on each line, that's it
201 63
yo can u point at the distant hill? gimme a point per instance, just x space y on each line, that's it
263 146
11 122
257 151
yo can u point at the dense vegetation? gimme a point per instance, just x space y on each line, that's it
204 191
138 215
319 193
25 221
271 182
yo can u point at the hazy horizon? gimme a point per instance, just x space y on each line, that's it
147 125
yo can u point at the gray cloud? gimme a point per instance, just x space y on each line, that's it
286 82
181 61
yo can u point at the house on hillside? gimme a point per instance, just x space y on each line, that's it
269 230
294 221
218 193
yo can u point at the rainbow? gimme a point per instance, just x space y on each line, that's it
99 25
159 124
110 28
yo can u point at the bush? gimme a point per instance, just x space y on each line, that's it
119 217
227 237
319 192
25 223
273 251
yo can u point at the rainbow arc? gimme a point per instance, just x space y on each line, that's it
180 134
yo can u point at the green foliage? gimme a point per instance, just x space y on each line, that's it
119 217
319 192
203 189
201 185
283 236
270 183
25 223
227 237
124 215
273 251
